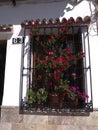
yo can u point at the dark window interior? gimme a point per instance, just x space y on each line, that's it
71 40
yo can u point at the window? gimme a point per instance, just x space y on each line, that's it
59 70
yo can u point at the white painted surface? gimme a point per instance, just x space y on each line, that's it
12 71
15 15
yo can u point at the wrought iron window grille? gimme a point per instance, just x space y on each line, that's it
78 40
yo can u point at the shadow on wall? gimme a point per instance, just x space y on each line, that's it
19 13
2 67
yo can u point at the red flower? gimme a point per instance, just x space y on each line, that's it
82 53
50 38
71 58
56 76
63 67
62 30
61 60
43 61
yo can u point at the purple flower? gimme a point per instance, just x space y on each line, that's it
85 95
73 88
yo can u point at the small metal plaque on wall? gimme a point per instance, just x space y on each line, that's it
18 40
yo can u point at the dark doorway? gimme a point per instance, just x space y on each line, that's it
2 67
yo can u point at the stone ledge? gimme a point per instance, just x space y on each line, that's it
11 114
12 120
46 127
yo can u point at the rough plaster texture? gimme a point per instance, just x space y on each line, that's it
12 120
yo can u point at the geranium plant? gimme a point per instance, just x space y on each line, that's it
39 96
54 63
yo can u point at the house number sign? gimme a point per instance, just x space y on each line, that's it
18 40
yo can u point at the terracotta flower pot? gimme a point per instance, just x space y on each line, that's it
71 103
54 100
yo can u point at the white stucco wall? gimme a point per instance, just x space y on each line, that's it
15 15
12 71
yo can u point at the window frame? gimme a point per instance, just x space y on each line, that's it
89 104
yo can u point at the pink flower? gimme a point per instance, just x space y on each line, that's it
68 50
58 70
50 52
74 75
85 95
79 93
73 88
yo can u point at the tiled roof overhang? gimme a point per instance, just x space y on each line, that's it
6 28
79 21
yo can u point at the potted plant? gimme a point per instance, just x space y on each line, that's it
31 96
41 95
37 97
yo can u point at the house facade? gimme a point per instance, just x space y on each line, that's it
17 19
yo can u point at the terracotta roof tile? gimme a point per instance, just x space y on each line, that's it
79 21
6 28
